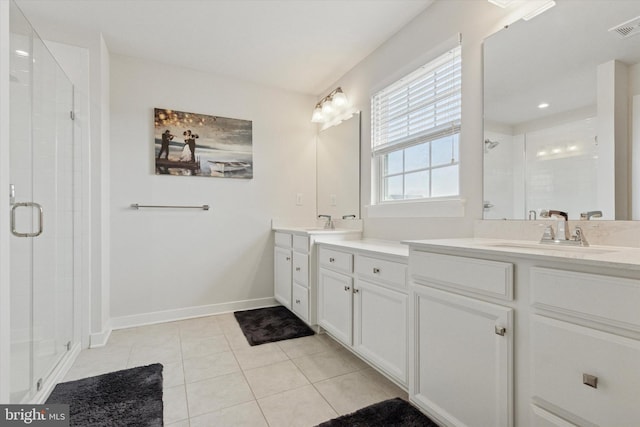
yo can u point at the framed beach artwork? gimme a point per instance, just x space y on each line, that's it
202 145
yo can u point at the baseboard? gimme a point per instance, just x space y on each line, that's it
189 312
100 339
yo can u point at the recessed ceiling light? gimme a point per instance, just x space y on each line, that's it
21 53
543 105
501 3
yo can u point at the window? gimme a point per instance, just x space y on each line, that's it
415 129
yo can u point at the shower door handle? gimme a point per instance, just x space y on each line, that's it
13 219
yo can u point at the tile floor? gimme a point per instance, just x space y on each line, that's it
212 377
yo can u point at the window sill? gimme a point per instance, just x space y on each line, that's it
444 208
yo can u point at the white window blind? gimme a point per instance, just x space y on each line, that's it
422 106
415 132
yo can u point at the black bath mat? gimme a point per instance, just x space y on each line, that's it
270 324
131 397
390 413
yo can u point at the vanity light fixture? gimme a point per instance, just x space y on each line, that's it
543 105
333 109
546 6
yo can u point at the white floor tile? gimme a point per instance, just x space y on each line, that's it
276 378
350 392
175 404
214 365
203 347
304 346
244 415
259 355
218 393
301 407
328 364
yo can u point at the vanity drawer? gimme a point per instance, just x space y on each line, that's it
283 239
389 272
478 276
562 352
336 260
301 269
301 243
300 302
582 295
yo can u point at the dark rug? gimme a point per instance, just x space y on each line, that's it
390 413
131 397
270 324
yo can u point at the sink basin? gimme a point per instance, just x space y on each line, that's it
554 247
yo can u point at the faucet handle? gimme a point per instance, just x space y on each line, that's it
580 237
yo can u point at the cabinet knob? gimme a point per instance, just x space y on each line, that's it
346 288
500 330
297 301
376 270
297 268
288 258
355 291
590 380
332 260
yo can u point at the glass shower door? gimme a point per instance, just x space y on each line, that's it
41 244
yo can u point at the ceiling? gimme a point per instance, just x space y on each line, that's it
298 45
554 58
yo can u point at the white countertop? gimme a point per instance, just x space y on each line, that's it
605 256
307 231
371 245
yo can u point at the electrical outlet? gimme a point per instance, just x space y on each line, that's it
299 199
333 198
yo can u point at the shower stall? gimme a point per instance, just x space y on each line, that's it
41 214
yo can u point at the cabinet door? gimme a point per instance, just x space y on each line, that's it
461 365
335 297
282 276
380 328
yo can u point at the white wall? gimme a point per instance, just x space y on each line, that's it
184 263
403 53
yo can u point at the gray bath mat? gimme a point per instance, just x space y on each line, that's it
270 324
131 397
390 413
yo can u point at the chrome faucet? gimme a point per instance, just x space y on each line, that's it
565 237
591 214
329 224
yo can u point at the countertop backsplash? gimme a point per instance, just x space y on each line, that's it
608 233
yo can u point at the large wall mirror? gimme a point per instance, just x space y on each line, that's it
561 104
338 181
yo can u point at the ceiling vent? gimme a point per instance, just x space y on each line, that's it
627 29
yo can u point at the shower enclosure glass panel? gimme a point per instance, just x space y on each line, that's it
41 172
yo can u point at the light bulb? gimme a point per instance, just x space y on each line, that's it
327 108
339 99
317 116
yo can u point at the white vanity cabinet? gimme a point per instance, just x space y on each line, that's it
362 302
585 352
295 269
543 336
335 294
282 255
461 345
